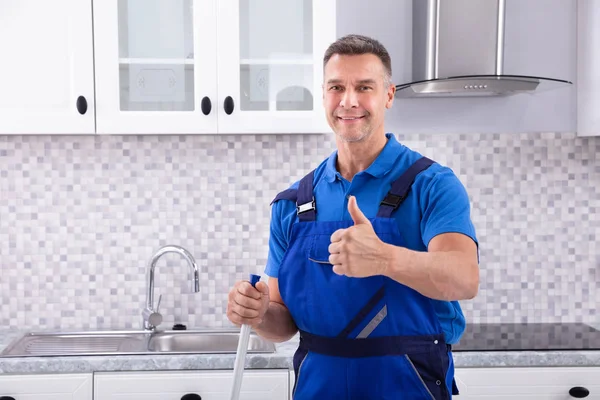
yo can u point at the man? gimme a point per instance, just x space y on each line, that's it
368 254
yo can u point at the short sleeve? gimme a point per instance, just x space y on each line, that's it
278 241
446 208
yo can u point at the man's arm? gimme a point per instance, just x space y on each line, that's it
277 324
447 271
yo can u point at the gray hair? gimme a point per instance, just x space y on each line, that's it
358 45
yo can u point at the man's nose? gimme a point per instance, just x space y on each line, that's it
349 99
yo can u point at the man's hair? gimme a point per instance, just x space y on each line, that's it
358 45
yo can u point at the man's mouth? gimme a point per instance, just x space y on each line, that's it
350 119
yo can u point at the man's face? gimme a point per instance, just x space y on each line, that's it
355 95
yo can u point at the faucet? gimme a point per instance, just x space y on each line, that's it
151 317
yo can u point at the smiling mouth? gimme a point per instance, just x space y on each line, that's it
350 118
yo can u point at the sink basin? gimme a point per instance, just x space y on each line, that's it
132 342
207 342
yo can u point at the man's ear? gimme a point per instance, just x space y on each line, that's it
391 94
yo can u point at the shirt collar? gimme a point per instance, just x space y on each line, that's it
381 166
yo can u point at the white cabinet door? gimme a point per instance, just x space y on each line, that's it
47 387
156 66
270 64
588 65
47 65
173 385
526 383
291 384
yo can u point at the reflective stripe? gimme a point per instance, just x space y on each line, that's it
419 375
318 261
298 377
374 323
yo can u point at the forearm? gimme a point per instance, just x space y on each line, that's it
277 324
442 275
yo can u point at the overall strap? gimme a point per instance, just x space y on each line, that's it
303 197
401 187
288 194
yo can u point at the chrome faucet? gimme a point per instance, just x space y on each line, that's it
150 315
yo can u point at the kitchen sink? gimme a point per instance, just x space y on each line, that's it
207 342
132 342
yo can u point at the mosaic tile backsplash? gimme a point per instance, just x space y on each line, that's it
80 218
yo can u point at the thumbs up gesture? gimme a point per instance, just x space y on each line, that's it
357 251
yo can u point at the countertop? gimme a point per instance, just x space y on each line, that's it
281 359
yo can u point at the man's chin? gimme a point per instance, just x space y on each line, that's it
352 137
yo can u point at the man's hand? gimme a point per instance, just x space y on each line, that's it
357 251
247 304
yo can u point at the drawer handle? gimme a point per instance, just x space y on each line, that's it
578 392
189 396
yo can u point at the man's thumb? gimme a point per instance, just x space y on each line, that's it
263 288
357 216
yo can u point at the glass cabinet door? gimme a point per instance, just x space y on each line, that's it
155 66
270 64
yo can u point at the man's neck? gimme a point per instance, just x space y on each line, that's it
354 157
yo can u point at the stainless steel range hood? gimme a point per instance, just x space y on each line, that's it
458 50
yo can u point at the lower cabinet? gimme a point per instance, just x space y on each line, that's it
197 385
46 387
511 383
547 383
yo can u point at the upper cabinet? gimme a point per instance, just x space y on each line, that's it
211 66
588 67
47 68
163 66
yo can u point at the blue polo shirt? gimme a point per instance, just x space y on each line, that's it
437 203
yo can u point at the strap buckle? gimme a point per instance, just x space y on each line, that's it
392 200
306 207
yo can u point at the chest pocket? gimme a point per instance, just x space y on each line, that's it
318 251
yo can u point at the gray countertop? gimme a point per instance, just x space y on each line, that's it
281 359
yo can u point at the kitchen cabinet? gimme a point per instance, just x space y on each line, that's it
211 66
527 383
163 67
47 69
548 383
291 384
209 385
47 387
588 65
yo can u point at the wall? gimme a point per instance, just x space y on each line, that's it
81 216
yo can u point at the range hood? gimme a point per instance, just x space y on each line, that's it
458 50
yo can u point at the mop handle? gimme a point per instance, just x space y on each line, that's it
240 357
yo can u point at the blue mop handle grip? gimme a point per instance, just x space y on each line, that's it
254 279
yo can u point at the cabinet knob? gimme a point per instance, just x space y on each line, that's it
228 105
189 396
205 105
6 398
82 107
578 392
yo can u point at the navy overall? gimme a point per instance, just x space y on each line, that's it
360 338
